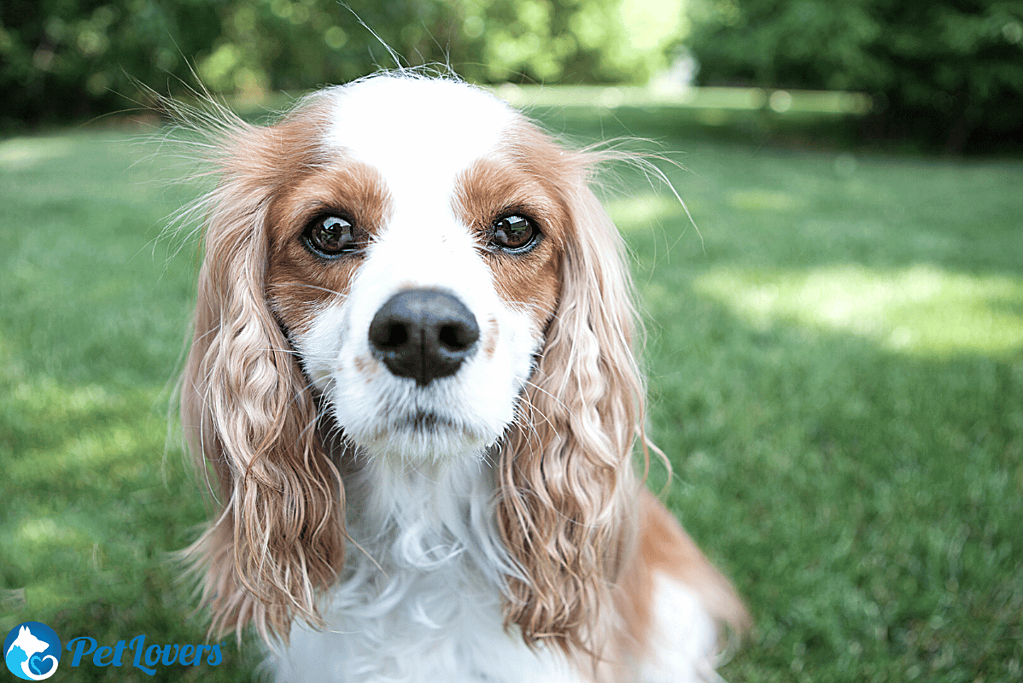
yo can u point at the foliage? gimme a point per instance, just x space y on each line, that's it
300 44
941 71
62 59
572 41
293 44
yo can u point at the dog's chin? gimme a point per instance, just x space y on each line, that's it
421 437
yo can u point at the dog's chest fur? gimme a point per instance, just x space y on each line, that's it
421 594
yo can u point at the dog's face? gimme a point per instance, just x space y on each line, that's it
421 264
416 269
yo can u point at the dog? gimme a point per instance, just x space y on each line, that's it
412 388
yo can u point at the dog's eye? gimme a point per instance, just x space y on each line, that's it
331 235
515 233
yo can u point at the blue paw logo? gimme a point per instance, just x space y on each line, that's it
32 651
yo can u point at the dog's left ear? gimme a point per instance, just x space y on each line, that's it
249 415
567 475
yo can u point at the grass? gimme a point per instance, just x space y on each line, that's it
836 367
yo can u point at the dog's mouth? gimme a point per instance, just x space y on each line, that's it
420 435
426 422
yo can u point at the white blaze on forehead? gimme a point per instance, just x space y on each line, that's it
417 131
420 135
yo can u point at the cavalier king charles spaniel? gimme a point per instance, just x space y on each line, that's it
413 389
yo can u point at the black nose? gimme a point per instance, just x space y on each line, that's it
423 334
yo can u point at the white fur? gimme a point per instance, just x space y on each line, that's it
420 597
422 245
685 641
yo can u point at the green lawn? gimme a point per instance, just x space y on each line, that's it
835 353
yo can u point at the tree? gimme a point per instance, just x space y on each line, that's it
62 59
947 72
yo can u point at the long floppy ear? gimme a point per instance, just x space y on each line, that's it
567 473
247 412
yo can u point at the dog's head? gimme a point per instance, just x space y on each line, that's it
415 266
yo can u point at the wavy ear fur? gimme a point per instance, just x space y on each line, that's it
247 410
566 470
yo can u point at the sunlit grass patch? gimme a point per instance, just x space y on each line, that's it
21 153
644 209
675 95
762 200
922 309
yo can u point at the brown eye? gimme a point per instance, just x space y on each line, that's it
515 233
331 235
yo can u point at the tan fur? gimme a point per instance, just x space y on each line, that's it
493 188
297 283
664 547
569 504
566 472
246 409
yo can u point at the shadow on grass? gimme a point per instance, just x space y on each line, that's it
95 507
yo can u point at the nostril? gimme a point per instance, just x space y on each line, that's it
393 336
386 333
458 336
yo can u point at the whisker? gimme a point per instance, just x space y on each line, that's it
297 283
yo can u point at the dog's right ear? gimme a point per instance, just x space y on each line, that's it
249 416
567 474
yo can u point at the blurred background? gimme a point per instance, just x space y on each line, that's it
834 315
946 74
